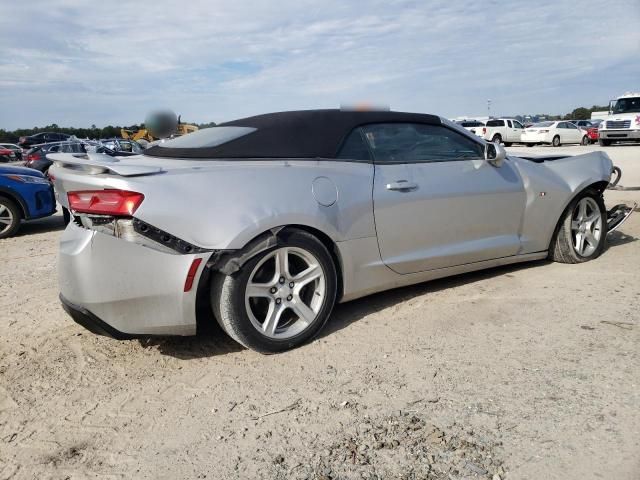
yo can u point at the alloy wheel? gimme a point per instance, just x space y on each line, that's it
285 292
6 219
586 227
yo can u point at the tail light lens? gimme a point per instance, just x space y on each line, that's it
543 131
32 157
484 130
105 202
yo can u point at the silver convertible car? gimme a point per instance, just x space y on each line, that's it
265 223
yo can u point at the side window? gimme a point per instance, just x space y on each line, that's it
415 142
509 123
561 125
354 147
517 124
571 126
54 149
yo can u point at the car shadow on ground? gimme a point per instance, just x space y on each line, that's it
42 225
617 238
212 341
347 313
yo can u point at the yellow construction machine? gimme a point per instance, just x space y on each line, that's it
161 124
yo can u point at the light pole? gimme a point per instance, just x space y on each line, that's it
489 108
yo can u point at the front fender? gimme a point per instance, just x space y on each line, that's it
551 186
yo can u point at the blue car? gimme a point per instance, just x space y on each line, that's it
25 194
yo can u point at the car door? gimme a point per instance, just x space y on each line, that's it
437 202
574 134
561 131
516 131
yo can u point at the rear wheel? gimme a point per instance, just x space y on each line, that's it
604 142
585 140
556 141
496 138
281 298
582 230
9 217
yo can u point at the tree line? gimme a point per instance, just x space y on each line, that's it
92 132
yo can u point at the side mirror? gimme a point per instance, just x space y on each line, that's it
495 154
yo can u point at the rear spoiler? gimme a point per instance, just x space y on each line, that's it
97 163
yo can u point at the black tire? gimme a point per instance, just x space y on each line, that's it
13 214
507 144
604 142
585 141
556 141
562 248
228 297
530 144
497 138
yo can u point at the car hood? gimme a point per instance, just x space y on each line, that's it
15 170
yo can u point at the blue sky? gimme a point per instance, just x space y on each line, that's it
75 63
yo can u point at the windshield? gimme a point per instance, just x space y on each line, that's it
541 124
626 105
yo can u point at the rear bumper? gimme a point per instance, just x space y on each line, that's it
534 139
88 320
121 289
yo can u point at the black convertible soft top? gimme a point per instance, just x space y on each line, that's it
296 134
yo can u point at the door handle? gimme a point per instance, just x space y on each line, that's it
402 186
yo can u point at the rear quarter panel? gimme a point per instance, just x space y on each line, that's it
224 204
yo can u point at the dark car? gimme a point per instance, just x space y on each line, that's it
36 157
42 137
25 194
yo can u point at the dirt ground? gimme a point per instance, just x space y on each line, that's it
524 372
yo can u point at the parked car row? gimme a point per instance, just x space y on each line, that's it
556 133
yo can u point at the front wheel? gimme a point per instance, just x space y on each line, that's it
585 140
603 142
556 141
582 232
9 218
281 298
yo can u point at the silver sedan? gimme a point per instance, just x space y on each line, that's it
263 224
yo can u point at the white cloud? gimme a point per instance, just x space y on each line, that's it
85 62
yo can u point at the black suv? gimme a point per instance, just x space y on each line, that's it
42 137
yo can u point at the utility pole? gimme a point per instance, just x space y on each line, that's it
489 108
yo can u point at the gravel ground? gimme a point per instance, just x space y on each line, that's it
523 372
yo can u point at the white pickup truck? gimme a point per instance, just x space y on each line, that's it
503 130
623 122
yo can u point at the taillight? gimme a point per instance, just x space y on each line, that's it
32 157
105 202
543 131
484 130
